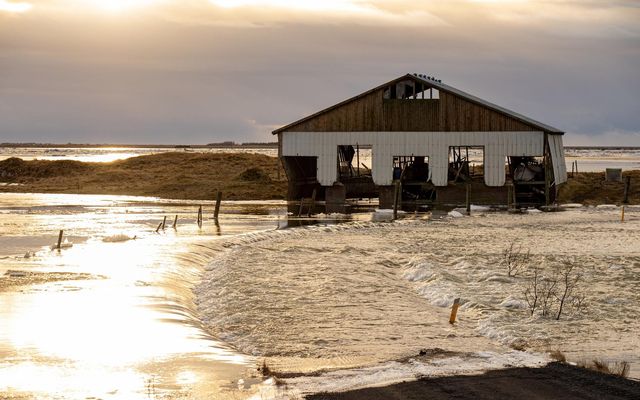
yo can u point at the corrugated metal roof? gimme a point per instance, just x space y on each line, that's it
436 84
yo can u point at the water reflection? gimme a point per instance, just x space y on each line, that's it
132 331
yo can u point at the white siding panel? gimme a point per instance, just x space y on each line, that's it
557 158
435 145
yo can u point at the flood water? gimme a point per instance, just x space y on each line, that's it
113 316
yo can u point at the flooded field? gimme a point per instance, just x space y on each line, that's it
357 295
125 312
111 315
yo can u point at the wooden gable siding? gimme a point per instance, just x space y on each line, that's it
458 114
361 115
450 113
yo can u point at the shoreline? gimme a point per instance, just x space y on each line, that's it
174 175
240 176
552 381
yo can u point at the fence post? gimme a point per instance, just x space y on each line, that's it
218 201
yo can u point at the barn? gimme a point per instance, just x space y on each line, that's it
425 143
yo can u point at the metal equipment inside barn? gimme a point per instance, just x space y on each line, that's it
437 144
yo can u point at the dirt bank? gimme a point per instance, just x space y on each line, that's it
197 176
555 381
591 188
190 176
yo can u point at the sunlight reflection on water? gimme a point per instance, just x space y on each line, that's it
133 329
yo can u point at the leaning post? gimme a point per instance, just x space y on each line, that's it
60 239
454 311
218 201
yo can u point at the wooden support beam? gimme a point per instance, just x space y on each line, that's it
547 172
627 189
468 199
60 239
396 194
312 206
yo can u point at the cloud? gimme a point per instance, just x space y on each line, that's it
14 6
192 72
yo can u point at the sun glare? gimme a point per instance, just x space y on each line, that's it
14 7
310 5
116 6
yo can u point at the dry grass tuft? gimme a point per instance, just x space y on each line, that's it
617 368
188 176
559 356
591 188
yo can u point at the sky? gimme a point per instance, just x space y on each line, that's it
202 71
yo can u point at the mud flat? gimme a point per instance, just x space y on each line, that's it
556 380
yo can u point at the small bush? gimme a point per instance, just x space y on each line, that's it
557 355
254 174
515 259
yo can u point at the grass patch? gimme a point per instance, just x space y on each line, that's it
616 368
188 176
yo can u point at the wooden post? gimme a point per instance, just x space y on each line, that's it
164 222
468 198
218 201
301 206
200 217
547 172
60 239
573 167
159 226
622 215
576 167
627 187
454 311
358 158
509 196
313 202
175 222
396 194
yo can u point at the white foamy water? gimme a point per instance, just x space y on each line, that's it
358 295
112 317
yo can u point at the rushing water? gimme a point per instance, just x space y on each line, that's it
125 312
112 315
331 297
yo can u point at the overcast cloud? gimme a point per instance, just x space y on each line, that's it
196 72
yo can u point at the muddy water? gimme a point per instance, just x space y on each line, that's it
112 316
339 296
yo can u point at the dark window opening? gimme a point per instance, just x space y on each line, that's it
410 90
354 161
413 173
466 163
